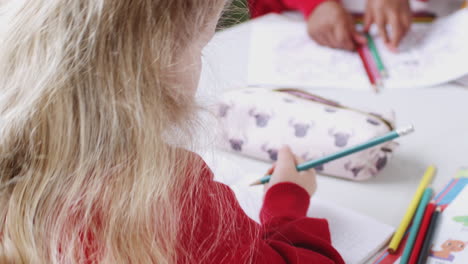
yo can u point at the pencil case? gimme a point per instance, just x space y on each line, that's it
256 122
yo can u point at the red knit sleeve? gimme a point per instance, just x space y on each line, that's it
227 235
261 7
288 234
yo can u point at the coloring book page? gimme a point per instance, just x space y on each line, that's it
450 244
283 55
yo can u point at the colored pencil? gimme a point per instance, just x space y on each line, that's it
422 233
366 62
376 55
428 239
373 142
396 239
374 68
427 196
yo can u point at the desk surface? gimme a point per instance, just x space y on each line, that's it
440 115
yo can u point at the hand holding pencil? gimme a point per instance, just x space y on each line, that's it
285 171
373 142
396 13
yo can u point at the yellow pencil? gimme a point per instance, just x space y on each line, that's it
426 180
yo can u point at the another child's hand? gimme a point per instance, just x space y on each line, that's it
285 171
396 13
331 25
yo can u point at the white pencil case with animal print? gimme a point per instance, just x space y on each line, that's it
255 122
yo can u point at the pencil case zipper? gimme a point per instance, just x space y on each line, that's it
328 102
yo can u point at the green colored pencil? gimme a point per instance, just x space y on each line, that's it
373 142
375 54
413 232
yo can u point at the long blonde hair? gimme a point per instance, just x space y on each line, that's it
87 106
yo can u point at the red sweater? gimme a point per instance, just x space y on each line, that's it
285 234
261 7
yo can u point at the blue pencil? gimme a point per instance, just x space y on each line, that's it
427 196
373 142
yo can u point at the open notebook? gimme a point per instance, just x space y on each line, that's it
357 237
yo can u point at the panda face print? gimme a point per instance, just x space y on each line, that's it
223 110
236 144
273 154
372 121
262 120
300 130
330 109
381 162
341 139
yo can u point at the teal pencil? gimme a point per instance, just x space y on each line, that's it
376 55
373 142
427 196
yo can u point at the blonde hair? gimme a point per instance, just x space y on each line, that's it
88 104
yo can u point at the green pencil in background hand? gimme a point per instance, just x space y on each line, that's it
375 54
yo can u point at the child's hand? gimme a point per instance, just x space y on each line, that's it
331 25
285 171
396 13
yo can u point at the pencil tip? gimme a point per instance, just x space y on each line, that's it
255 183
384 74
376 88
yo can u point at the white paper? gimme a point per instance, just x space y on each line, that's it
283 55
357 237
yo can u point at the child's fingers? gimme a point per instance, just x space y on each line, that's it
344 39
397 31
358 38
329 40
298 159
319 39
406 21
271 170
381 25
368 20
286 160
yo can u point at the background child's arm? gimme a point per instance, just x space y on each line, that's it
261 7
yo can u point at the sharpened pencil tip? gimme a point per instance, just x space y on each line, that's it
384 74
255 183
376 88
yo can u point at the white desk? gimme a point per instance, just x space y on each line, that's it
440 115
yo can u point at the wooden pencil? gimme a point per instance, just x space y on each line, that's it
428 239
367 66
425 181
414 230
422 233
376 55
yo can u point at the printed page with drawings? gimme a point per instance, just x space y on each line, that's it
357 237
450 244
283 55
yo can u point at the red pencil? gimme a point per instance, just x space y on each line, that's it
364 53
422 233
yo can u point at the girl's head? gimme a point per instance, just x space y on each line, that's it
95 101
